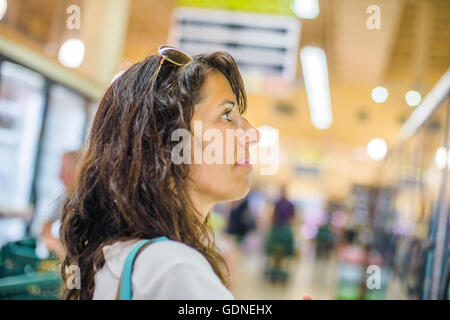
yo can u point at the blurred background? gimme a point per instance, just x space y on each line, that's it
354 93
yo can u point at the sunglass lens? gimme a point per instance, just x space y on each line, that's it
175 55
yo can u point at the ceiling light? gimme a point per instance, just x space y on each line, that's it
71 53
377 149
413 98
3 8
306 9
315 75
380 94
442 158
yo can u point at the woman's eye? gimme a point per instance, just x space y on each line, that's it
226 115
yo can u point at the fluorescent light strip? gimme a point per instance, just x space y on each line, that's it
315 75
432 101
243 36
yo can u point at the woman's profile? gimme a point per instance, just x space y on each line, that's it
129 190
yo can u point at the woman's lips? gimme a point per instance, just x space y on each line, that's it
244 163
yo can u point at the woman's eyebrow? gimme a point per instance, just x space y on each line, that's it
227 101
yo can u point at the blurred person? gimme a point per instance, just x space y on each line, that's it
328 231
129 190
323 240
351 250
67 173
280 240
241 220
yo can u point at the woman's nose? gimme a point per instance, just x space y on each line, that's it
252 136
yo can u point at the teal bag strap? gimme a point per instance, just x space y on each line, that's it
124 291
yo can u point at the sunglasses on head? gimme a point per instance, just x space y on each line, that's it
173 55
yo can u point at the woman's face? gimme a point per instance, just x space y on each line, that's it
223 174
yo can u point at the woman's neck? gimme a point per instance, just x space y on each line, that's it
202 203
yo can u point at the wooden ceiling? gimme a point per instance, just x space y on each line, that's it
148 27
41 21
421 47
359 59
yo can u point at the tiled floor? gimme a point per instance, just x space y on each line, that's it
317 277
308 275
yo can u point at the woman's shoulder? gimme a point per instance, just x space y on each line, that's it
174 270
167 270
171 252
158 255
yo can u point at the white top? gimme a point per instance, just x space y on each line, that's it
168 270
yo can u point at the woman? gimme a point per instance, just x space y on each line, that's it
130 189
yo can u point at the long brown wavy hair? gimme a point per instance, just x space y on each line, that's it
127 186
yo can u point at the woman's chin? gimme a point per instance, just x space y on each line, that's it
239 193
